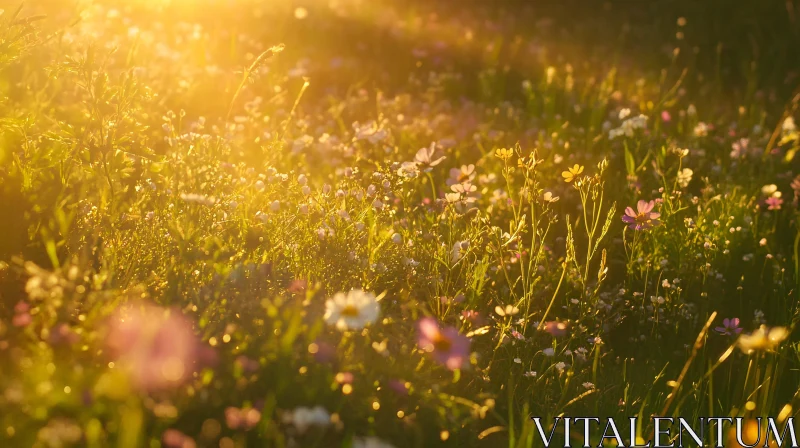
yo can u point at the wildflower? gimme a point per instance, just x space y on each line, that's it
156 346
587 385
700 130
44 284
560 366
530 374
774 203
643 218
244 418
303 418
447 346
739 148
459 249
549 197
465 174
549 351
771 190
556 329
452 198
409 170
22 317
372 132
172 438
572 173
788 125
352 311
684 177
504 153
425 157
729 327
397 238
275 206
624 113
464 190
665 116
628 127
796 187
370 442
509 310
763 338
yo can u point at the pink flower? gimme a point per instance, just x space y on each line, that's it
774 203
665 116
643 218
796 188
172 438
447 346
157 346
729 327
557 329
22 317
244 418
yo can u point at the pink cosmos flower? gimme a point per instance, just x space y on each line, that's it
643 218
157 346
774 203
447 346
665 116
729 327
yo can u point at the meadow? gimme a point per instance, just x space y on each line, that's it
374 224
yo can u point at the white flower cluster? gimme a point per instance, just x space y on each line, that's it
628 126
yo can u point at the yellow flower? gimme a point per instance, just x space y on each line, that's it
573 173
504 153
762 338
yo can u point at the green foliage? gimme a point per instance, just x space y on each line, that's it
192 250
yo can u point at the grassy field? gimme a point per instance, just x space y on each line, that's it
352 223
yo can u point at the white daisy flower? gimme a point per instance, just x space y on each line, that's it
352 310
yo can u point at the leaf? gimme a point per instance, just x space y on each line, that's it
630 163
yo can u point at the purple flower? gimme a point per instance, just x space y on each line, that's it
729 327
643 218
447 346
